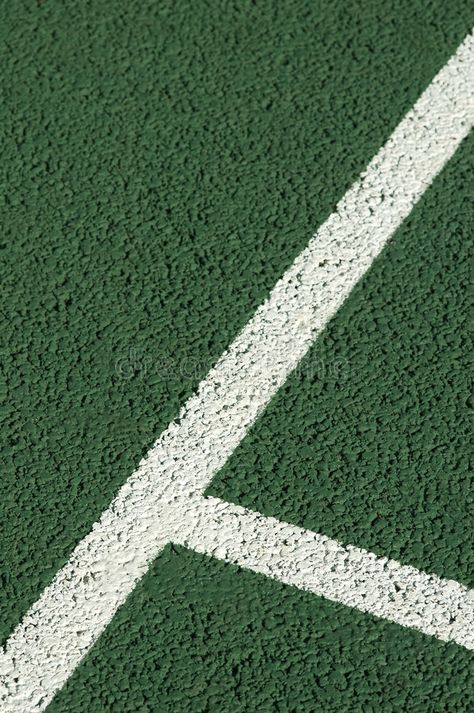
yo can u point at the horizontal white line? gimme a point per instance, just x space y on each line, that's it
315 563
72 612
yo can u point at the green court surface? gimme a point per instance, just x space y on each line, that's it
369 440
200 635
163 164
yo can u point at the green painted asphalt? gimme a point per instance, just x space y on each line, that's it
199 635
163 163
369 440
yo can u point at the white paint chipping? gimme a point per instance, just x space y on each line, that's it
345 574
73 611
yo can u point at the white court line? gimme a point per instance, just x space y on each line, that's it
72 612
315 563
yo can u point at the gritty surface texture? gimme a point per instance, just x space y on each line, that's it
325 567
373 430
235 641
162 500
151 204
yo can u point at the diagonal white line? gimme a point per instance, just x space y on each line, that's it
72 612
315 563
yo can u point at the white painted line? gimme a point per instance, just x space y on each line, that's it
317 564
73 611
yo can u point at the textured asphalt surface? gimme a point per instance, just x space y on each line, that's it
163 164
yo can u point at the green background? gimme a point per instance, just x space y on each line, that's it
200 635
369 441
163 163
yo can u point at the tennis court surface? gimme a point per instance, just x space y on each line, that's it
236 391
